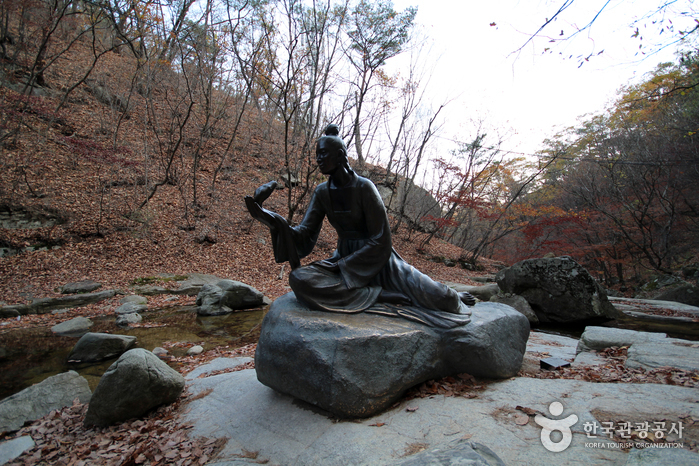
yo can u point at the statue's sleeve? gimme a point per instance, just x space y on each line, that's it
294 243
360 267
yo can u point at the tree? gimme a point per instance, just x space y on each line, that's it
376 33
670 23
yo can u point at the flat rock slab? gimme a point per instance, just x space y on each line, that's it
46 305
648 350
356 365
76 327
40 399
287 432
11 449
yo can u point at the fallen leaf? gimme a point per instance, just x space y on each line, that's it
411 409
521 419
378 424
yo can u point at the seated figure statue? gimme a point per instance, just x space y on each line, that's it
365 273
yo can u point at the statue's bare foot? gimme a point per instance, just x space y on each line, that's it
467 298
394 297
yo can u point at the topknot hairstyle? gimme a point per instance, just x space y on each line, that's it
332 130
332 135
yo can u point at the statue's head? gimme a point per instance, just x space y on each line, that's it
331 151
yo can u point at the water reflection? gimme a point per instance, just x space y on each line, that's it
32 355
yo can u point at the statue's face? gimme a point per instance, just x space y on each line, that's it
327 157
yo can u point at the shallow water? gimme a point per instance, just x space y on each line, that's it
32 355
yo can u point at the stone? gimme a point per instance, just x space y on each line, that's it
135 384
30 404
161 352
195 350
84 286
684 292
460 452
518 303
356 365
284 431
559 290
129 308
598 338
227 296
135 299
13 310
76 327
123 320
11 449
648 350
93 347
671 353
46 305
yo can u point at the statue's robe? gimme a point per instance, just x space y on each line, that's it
366 260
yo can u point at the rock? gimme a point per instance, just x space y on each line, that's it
124 320
13 310
161 352
599 338
482 292
76 327
461 452
519 303
659 282
45 305
135 299
684 292
682 354
93 347
84 286
195 350
151 290
195 282
356 365
30 404
129 308
11 449
646 350
226 296
136 383
558 290
284 431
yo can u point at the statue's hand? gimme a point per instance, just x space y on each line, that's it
264 191
258 213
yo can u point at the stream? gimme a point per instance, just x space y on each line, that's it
34 354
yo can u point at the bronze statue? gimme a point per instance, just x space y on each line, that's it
365 273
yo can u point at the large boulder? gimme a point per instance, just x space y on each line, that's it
30 404
93 347
136 383
356 365
227 296
559 290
